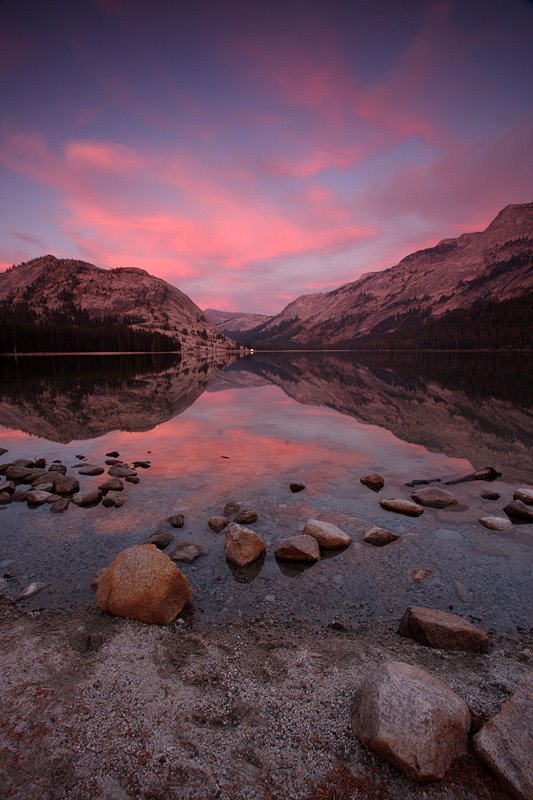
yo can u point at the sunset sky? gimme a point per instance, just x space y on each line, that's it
250 152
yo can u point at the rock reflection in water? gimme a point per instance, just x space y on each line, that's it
249 573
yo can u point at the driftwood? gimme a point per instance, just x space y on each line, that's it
485 474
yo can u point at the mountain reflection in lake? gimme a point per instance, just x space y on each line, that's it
242 433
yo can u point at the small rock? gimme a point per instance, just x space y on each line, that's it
58 467
374 481
298 548
3 450
53 498
78 456
379 536
411 718
517 511
46 486
111 462
113 454
8 487
485 474
246 517
490 495
433 497
243 546
23 462
66 484
142 464
31 589
296 487
440 629
231 508
40 463
132 479
187 551
421 574
119 471
217 524
505 743
37 497
177 520
525 495
142 583
20 496
112 485
161 539
91 469
401 506
114 499
5 498
18 473
328 536
87 499
61 505
497 523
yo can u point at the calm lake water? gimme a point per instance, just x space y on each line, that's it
243 432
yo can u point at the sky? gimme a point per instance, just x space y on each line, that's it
251 152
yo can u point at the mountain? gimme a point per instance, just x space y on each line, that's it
429 298
66 294
235 324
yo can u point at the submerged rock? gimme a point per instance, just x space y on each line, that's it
490 496
243 545
177 520
374 481
58 467
421 574
298 548
411 718
38 497
505 743
112 485
119 471
113 454
5 498
401 506
132 479
434 497
497 523
485 474
328 535
60 505
379 536
142 583
187 551
231 508
440 629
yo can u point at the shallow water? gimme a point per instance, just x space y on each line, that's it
243 433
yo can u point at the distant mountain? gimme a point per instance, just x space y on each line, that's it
431 298
66 301
235 324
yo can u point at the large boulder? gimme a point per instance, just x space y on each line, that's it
505 743
443 630
411 718
142 583
433 497
298 548
401 506
243 545
328 536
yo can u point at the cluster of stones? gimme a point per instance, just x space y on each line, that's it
54 486
416 721
518 511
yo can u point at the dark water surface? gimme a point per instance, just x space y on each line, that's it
245 431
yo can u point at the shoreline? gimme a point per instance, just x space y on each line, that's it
100 706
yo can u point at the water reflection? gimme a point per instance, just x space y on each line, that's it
474 406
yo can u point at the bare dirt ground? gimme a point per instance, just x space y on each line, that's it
99 707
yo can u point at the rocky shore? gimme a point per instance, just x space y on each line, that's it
271 706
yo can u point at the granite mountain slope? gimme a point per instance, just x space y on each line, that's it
493 265
48 285
234 323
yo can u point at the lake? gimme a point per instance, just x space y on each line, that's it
243 431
